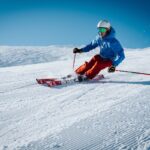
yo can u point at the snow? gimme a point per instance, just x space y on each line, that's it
112 114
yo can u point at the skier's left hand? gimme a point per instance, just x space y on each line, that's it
111 69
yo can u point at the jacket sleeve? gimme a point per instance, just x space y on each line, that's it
90 46
120 58
120 54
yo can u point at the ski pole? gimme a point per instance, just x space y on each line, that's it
148 74
74 61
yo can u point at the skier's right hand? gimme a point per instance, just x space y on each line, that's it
77 50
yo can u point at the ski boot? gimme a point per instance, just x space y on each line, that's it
82 78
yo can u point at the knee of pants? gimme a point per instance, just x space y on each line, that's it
97 57
82 68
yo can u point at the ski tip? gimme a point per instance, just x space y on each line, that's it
37 80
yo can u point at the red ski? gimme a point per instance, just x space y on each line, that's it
51 82
43 81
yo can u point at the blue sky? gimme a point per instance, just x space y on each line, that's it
68 22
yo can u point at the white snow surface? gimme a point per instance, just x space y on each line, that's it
112 114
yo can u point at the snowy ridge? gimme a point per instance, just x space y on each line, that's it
112 114
20 55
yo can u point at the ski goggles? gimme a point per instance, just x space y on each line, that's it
102 30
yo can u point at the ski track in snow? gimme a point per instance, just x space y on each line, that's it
112 114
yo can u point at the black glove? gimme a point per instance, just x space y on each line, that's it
76 50
111 69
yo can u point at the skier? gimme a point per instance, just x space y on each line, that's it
111 53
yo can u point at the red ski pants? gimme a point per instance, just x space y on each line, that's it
93 67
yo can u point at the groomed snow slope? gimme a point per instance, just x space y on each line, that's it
113 114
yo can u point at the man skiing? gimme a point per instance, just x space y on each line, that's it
111 53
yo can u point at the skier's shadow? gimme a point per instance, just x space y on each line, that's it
110 81
127 82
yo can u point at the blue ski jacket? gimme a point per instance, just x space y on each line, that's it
110 48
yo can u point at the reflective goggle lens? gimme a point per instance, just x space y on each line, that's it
102 30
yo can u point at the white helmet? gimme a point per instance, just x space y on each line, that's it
103 24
